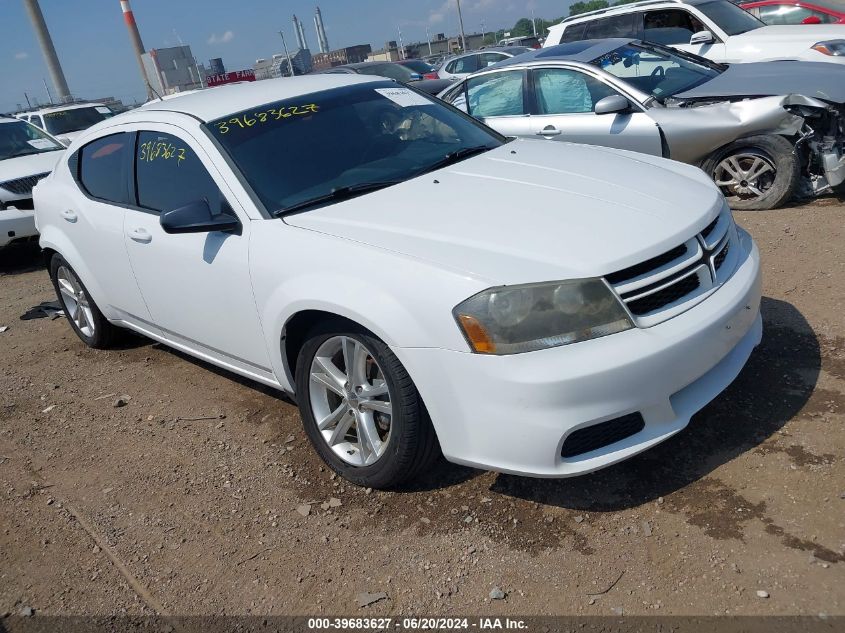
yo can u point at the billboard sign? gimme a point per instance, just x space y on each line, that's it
232 77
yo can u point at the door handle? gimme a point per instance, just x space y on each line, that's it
549 130
68 215
140 235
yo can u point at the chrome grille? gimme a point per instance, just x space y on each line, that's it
662 287
23 186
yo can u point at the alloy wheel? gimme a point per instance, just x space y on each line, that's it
748 175
350 400
75 301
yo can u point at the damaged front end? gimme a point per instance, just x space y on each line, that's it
696 128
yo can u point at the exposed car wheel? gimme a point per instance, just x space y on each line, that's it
361 410
756 173
82 313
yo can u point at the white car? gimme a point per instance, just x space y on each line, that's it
26 155
413 279
465 64
65 122
716 29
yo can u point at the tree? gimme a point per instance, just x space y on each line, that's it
590 5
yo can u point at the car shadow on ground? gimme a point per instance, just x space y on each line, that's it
17 259
774 386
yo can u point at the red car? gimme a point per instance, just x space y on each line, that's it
797 11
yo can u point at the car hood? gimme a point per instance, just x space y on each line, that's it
810 79
789 38
531 211
23 166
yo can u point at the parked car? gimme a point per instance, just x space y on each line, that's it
420 67
762 131
67 121
393 70
797 11
529 41
384 279
468 63
26 155
715 29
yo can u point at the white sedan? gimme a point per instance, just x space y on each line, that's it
416 282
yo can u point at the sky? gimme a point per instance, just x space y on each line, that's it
94 49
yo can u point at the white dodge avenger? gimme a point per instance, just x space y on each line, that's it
418 283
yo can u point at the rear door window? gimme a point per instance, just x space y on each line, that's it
103 167
573 33
613 26
496 94
464 65
488 59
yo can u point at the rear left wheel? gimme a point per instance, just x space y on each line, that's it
82 313
361 410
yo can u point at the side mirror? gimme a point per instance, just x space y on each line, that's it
702 37
811 19
196 217
612 105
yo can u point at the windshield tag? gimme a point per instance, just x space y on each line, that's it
42 143
404 97
102 109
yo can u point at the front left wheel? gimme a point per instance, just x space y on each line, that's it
361 410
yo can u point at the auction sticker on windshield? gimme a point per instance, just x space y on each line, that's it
404 97
42 143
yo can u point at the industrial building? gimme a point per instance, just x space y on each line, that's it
172 70
348 55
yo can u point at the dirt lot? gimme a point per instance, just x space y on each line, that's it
146 508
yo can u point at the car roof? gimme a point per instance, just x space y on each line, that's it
62 108
580 51
214 103
358 65
626 8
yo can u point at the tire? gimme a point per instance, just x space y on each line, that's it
767 190
407 443
82 313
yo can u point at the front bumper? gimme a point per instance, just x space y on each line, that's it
513 413
16 224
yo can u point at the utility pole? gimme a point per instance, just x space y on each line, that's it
461 21
47 88
47 49
285 46
137 45
533 22
28 102
428 37
483 34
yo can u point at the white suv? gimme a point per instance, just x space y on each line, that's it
716 29
66 122
26 156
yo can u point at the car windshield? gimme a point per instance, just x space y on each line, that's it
729 17
19 138
418 66
345 141
65 121
657 70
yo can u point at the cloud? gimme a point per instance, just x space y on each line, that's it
21 55
224 38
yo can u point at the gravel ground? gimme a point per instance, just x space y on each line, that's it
202 496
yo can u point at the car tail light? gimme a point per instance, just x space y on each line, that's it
430 76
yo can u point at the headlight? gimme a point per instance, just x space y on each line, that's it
524 318
835 48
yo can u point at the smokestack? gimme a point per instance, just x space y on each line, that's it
47 49
300 33
321 32
137 44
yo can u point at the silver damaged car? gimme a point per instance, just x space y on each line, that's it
765 132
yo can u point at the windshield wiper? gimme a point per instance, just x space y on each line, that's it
456 156
337 194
